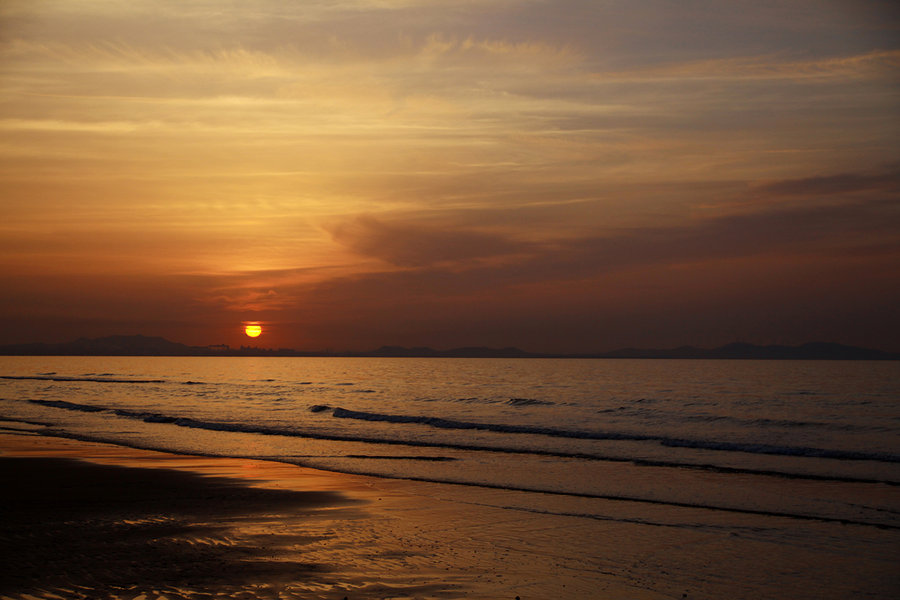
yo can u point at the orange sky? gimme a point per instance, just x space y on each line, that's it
565 175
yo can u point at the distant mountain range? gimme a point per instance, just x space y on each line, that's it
140 345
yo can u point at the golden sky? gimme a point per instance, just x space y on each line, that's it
558 175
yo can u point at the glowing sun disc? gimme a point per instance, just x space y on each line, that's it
253 330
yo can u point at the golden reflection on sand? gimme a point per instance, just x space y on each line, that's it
88 520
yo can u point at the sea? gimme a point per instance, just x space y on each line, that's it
784 441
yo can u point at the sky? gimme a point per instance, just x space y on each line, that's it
556 175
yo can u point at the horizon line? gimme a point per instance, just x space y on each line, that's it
144 345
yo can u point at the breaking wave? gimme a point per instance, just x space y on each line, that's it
400 439
752 448
528 402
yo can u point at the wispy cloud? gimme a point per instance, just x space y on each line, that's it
831 185
875 64
821 229
418 245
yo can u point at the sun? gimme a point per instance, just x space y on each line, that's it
252 330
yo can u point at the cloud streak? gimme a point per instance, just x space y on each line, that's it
417 245
801 230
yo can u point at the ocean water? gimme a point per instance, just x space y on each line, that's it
812 441
693 479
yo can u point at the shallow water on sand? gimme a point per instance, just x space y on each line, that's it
772 451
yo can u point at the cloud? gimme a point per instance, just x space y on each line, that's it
833 184
879 63
408 244
473 52
779 269
445 261
819 230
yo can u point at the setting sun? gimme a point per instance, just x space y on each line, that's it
253 330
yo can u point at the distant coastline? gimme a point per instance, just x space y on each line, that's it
140 345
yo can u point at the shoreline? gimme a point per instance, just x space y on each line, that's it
90 520
93 520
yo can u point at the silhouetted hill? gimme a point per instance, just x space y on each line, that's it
466 352
809 351
140 345
400 351
113 345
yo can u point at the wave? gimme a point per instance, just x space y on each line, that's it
803 451
8 419
766 422
469 400
62 378
69 405
179 421
441 423
525 489
751 448
395 457
528 402
672 415
101 378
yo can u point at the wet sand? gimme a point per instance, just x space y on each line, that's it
87 520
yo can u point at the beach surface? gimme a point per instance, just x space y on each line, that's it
90 520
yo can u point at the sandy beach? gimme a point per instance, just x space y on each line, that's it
88 520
